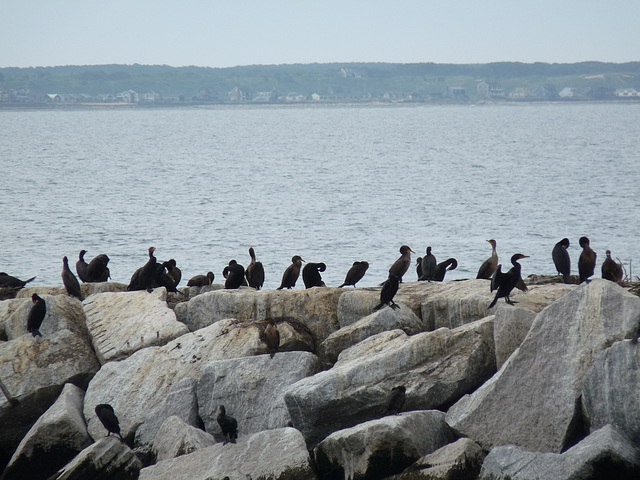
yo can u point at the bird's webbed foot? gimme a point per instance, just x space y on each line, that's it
394 305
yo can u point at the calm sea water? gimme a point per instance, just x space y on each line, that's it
332 184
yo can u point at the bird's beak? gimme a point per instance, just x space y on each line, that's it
411 251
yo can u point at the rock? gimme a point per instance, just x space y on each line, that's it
108 458
610 390
87 289
58 436
123 323
510 327
380 321
176 438
436 367
34 369
533 401
603 454
278 454
379 448
252 389
460 460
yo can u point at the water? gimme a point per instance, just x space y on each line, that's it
332 184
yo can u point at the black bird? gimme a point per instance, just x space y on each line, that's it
489 266
36 315
291 274
70 281
144 278
587 260
311 275
108 418
97 270
234 273
561 259
355 273
201 280
396 400
228 425
254 272
389 290
442 267
271 337
173 270
163 279
611 270
504 283
81 267
428 265
419 267
7 281
402 264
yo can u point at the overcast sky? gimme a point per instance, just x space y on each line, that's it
224 33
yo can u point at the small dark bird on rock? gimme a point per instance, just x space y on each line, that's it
173 270
490 265
81 267
144 278
228 425
311 275
396 400
7 281
271 337
36 315
234 274
389 290
201 280
291 274
108 418
442 268
355 273
504 283
587 260
402 264
428 266
611 270
254 271
561 259
70 281
97 270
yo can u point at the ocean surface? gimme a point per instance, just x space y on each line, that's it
331 184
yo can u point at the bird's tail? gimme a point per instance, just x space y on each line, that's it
378 307
495 299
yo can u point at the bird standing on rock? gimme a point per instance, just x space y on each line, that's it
561 259
442 268
201 280
36 315
611 270
389 290
504 283
234 274
254 271
108 418
490 265
81 267
97 270
311 275
355 273
144 277
587 260
7 281
271 337
291 274
228 425
70 281
428 265
173 270
402 264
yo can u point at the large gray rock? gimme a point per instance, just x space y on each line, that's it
106 459
58 436
605 454
252 389
123 323
533 401
437 368
510 327
380 321
278 454
379 448
87 289
176 438
610 391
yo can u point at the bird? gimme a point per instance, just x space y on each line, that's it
234 273
611 270
442 267
561 259
173 270
489 266
291 274
311 275
401 265
254 272
355 273
271 337
228 425
504 283
587 260
81 267
396 400
7 281
164 279
108 418
97 270
70 281
419 267
389 290
201 280
428 266
36 315
144 277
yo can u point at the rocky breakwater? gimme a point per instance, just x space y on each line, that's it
540 383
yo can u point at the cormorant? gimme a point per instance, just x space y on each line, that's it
611 270
355 273
201 280
144 277
291 274
429 265
311 275
402 264
173 270
70 281
36 315
389 290
234 273
108 418
254 272
228 425
419 267
489 266
442 267
81 267
587 260
504 283
97 270
561 259
271 337
396 400
7 281
164 279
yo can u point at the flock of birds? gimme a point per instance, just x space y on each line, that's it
167 274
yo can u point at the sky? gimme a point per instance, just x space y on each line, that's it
222 33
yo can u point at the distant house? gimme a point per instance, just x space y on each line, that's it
457 93
236 95
519 93
128 97
151 96
568 92
270 96
52 97
627 93
485 89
